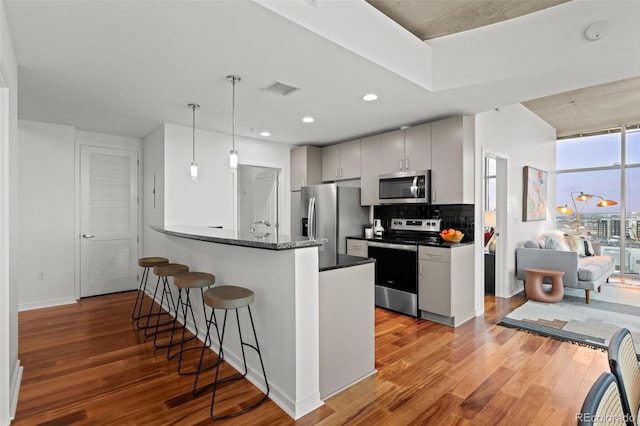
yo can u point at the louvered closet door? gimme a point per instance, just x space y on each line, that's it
108 223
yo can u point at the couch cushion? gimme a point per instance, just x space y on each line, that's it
592 268
531 244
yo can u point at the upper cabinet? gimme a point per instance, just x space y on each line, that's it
452 164
370 169
408 149
341 161
417 147
306 166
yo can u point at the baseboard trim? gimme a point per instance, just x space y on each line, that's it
45 304
16 380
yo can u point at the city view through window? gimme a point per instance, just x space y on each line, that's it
606 168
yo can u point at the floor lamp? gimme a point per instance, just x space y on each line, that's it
583 198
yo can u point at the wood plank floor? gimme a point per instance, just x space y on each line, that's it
87 363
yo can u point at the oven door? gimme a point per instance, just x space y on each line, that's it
396 276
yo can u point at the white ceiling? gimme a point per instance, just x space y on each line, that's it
125 67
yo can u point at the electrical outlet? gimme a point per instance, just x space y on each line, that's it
41 275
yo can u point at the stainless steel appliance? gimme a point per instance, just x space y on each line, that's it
332 212
405 187
397 263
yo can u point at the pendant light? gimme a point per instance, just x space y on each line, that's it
233 155
194 165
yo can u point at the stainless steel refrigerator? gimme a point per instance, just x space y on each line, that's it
332 212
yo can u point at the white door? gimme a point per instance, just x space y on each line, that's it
108 220
265 196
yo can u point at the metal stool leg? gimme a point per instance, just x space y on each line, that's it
150 314
208 340
238 376
185 308
170 304
140 295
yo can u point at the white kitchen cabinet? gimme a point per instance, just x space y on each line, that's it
417 147
341 161
370 169
452 162
393 152
358 248
446 284
407 150
306 166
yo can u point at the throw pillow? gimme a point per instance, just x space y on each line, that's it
531 244
575 243
555 241
588 247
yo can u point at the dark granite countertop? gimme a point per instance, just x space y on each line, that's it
330 260
238 238
442 243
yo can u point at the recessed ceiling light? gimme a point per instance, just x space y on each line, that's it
265 134
308 119
370 97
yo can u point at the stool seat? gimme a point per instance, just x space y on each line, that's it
147 262
194 280
170 269
228 297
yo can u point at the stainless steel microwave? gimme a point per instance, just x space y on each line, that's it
405 187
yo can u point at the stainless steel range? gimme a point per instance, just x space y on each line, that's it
397 262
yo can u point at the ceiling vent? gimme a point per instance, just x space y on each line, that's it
281 88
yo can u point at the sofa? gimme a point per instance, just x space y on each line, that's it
581 260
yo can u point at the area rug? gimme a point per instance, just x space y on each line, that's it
575 321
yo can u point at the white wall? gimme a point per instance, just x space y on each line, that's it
10 370
210 201
46 214
526 140
152 191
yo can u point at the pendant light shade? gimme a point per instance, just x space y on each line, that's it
233 154
194 166
233 159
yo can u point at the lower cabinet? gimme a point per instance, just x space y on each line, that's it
446 284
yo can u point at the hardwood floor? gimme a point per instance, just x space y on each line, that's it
86 363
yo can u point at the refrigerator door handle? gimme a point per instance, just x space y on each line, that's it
312 222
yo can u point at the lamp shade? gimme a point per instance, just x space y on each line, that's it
606 203
490 218
233 159
564 209
194 171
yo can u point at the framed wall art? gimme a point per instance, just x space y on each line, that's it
534 203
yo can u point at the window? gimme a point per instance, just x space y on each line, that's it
605 166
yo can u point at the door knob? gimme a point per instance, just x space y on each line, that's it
87 236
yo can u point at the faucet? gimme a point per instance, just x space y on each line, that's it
252 230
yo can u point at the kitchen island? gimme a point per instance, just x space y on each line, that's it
283 272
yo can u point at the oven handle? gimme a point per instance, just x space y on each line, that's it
392 246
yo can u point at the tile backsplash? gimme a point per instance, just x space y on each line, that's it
457 216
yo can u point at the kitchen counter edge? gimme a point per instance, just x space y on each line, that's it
443 244
328 261
230 237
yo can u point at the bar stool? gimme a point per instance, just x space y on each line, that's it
146 263
186 282
231 297
164 272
